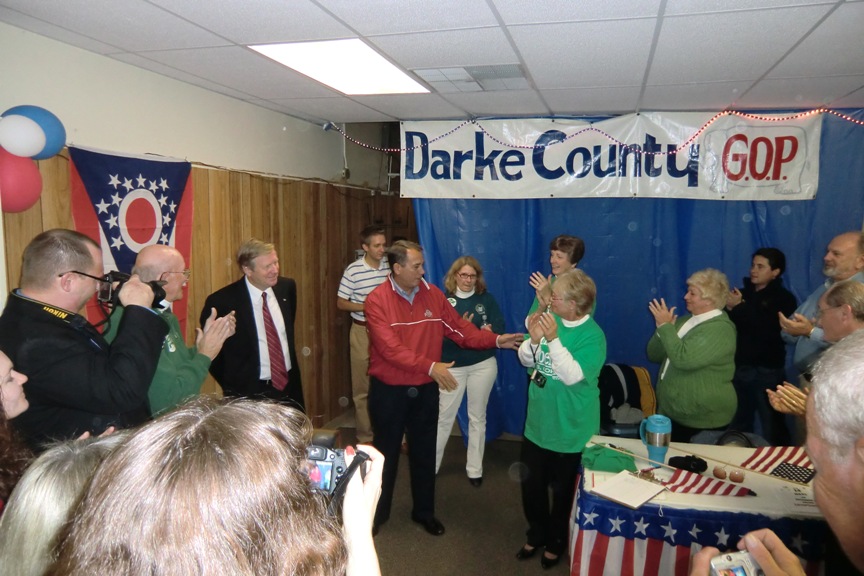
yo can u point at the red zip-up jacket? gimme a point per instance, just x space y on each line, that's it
405 339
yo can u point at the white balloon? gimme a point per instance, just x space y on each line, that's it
21 136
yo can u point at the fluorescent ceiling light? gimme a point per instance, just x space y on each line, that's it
349 66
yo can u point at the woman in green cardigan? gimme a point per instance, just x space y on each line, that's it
697 358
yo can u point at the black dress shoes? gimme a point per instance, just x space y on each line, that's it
476 482
432 525
525 552
546 563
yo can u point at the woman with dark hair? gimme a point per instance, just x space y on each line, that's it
474 370
14 455
565 253
564 355
760 354
220 488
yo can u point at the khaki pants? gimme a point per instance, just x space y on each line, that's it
359 340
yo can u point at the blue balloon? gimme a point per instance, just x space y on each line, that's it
55 133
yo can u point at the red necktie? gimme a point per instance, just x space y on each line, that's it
278 374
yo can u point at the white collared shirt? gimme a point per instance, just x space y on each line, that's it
278 321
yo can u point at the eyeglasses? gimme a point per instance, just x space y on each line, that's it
103 279
186 274
465 276
821 311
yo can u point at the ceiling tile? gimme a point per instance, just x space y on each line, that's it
589 54
48 30
836 47
695 96
589 101
502 103
374 17
800 92
336 109
243 70
261 21
129 24
448 49
728 46
551 11
405 106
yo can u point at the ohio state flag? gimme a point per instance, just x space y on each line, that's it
125 203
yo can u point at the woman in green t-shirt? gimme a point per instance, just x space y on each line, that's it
563 356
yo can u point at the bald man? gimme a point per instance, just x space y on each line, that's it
182 369
844 260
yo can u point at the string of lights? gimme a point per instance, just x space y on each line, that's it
608 136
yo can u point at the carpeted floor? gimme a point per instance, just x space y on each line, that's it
484 526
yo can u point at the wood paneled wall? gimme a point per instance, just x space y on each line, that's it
315 227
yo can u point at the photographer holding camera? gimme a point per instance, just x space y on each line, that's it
835 445
182 369
228 483
77 381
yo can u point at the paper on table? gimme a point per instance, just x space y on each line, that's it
628 490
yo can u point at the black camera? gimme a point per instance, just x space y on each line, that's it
326 467
328 470
109 291
538 378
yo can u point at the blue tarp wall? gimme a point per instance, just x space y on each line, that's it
638 249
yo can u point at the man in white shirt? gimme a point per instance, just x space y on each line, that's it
360 278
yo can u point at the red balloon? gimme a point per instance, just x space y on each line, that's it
20 182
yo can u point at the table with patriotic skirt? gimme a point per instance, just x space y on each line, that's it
660 537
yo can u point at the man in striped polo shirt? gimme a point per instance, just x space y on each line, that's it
359 279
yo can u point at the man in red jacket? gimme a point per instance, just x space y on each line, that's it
407 319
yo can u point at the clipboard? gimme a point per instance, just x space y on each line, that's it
629 490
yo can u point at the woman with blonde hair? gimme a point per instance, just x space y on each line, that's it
563 357
220 488
43 501
475 371
697 357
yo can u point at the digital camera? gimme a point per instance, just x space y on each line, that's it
538 378
326 467
735 564
109 290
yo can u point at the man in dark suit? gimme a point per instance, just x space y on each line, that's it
259 360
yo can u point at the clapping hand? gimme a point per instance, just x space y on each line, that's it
662 314
541 285
734 298
542 325
796 325
216 330
788 399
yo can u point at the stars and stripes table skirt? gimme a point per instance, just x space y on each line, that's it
610 539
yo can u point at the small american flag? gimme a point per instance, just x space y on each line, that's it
766 458
684 482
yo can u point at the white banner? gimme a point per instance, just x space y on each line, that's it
657 155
